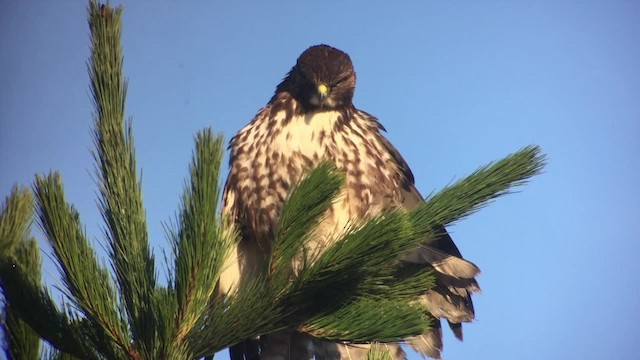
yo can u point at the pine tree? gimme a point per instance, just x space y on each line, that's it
126 314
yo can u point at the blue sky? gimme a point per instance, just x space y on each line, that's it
457 84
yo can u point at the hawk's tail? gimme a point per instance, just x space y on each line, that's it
325 350
450 299
285 345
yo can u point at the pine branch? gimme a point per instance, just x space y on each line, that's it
365 250
407 281
16 217
26 302
351 289
378 353
479 189
53 354
202 243
88 283
364 262
359 265
21 342
121 196
366 319
251 311
36 308
303 210
167 346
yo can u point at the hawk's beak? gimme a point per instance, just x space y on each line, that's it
323 90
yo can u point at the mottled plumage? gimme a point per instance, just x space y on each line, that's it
309 119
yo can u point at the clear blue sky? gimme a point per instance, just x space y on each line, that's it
457 84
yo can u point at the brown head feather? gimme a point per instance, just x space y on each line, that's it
320 65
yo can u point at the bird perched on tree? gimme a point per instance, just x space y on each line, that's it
310 119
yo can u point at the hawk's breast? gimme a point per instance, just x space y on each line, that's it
271 153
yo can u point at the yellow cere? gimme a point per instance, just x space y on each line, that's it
322 89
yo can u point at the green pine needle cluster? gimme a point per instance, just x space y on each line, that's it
17 247
356 290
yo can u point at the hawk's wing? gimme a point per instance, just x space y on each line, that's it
455 277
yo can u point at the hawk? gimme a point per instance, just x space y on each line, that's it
310 119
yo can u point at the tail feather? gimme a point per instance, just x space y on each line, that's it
428 344
448 264
248 349
470 285
451 304
450 299
325 350
352 351
456 328
286 345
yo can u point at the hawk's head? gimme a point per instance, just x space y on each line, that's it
323 78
